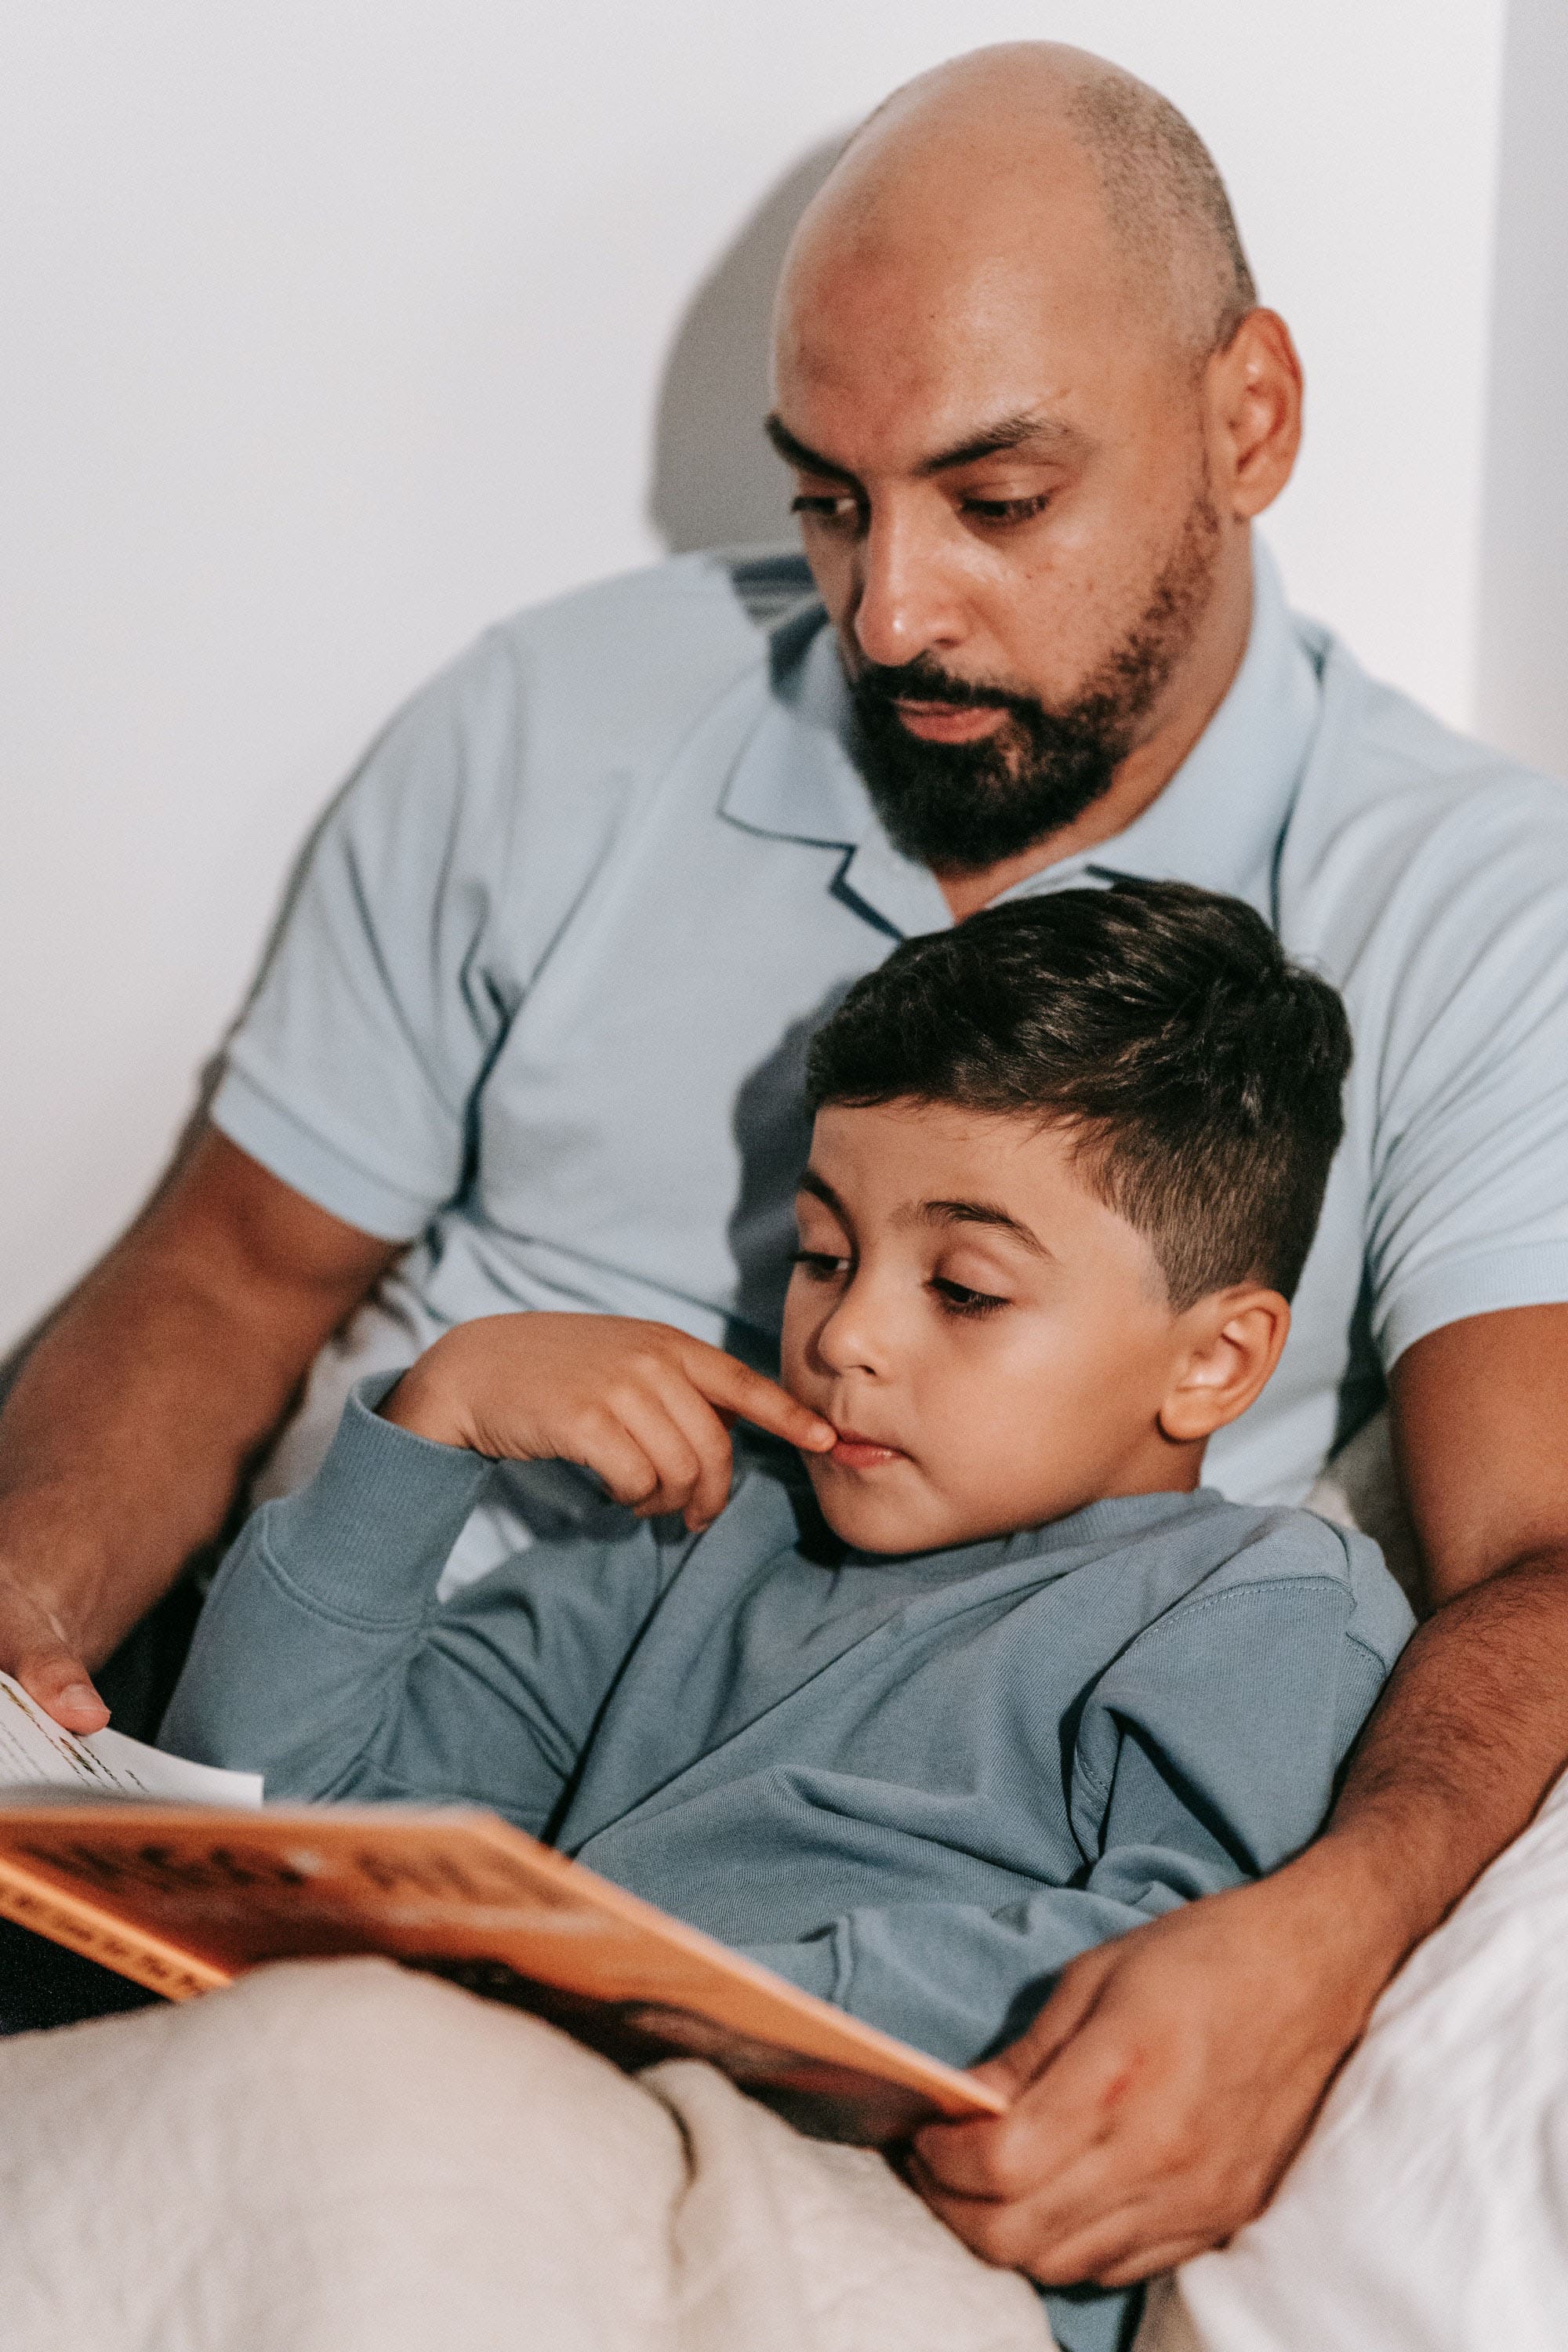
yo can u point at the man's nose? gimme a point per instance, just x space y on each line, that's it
905 603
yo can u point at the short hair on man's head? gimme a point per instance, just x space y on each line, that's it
1200 1070
1166 203
1166 197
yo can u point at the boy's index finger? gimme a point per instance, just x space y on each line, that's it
734 1388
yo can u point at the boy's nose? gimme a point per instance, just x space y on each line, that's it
849 1339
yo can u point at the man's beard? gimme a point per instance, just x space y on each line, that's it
961 807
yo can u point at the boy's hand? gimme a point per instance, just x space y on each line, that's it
645 1406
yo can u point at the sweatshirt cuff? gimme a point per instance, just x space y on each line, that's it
371 1533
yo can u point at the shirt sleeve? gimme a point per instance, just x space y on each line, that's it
1205 1755
351 1071
323 1660
1469 1209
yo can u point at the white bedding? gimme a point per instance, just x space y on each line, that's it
1429 2210
339 2158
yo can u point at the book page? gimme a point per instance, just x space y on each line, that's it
36 1753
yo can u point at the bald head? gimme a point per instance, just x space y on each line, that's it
1042 132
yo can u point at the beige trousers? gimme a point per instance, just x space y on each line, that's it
340 2157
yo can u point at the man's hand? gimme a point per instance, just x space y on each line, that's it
36 1653
1165 2086
645 1407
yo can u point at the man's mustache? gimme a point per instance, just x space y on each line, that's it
924 680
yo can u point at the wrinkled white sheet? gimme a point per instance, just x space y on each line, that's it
1429 2210
340 2157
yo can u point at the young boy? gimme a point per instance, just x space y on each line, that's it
996 1679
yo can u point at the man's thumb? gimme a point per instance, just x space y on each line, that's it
57 1679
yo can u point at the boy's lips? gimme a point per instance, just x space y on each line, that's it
854 1452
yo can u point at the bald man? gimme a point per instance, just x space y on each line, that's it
531 1036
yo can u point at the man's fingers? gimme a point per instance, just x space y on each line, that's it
1085 2233
51 1672
1151 2260
1070 2004
960 2160
1119 2250
64 1690
1065 2108
1108 2195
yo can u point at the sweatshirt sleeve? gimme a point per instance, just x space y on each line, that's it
323 1660
1205 1755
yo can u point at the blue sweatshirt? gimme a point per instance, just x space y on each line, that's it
917 1786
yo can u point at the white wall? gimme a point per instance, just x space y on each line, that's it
1521 688
333 331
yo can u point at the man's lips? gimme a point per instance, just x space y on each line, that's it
951 722
854 1452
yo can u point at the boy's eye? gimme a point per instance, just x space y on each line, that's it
957 1297
821 1265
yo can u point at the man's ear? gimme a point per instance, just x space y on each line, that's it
1255 410
1232 1341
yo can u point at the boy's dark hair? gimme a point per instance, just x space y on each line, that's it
1201 1069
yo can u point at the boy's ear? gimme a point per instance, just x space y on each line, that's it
1232 1340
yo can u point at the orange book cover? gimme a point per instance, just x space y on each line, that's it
183 1898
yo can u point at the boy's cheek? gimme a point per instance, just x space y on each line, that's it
794 1344
807 1385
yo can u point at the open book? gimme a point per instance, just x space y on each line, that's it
176 1876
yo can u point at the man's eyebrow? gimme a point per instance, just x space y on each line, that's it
984 1212
797 453
1023 432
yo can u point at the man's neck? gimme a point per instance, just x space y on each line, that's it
1184 711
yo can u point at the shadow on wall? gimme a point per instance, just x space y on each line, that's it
716 483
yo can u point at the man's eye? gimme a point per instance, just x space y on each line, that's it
1007 510
957 1297
842 508
821 1265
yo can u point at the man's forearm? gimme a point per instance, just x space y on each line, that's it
1469 1736
124 1437
131 1422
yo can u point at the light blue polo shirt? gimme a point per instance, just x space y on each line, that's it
539 1003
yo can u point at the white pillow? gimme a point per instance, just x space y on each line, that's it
1429 2210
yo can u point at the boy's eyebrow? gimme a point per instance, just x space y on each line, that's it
821 1190
939 1213
984 1212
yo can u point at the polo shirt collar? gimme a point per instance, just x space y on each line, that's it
796 780
1217 822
